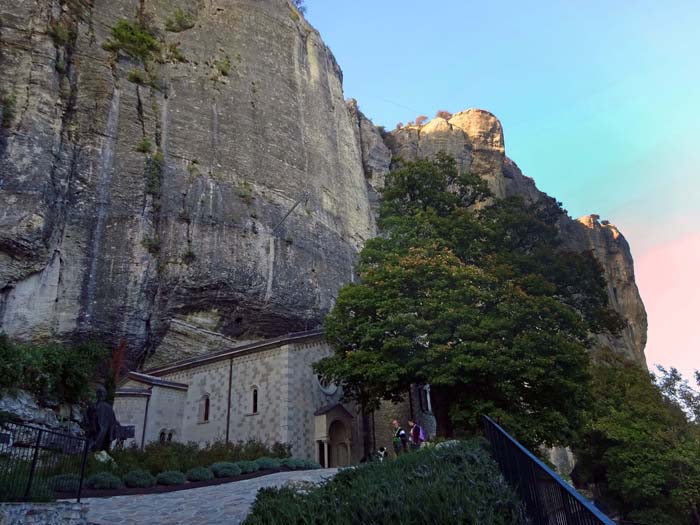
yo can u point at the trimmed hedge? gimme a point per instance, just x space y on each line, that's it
171 477
226 469
294 463
248 466
139 478
199 474
103 481
454 484
268 463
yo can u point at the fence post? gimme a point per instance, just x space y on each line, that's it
82 468
37 445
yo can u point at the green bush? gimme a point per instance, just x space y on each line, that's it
268 463
171 477
139 478
312 465
65 482
199 474
459 484
133 39
226 469
294 463
248 466
103 481
60 372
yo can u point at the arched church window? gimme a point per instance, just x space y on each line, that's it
425 401
255 400
203 415
161 437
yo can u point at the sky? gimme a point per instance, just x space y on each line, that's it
599 101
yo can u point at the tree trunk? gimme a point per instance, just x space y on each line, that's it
441 411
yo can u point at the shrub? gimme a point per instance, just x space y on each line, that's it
179 21
137 76
223 65
248 466
294 463
139 478
268 463
200 474
312 465
9 108
154 173
65 483
226 469
135 40
62 33
171 477
103 481
420 120
145 145
443 114
461 484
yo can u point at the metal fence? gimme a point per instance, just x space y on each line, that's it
548 499
39 465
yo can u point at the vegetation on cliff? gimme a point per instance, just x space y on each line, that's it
477 301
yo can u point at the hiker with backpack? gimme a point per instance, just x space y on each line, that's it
417 435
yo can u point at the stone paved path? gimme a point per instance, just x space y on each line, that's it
225 504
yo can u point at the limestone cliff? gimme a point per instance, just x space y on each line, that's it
221 177
208 186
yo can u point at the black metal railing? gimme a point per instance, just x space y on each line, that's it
40 465
548 499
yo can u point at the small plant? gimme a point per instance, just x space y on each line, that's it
223 65
65 483
420 120
268 463
9 107
399 125
103 481
61 33
179 21
137 76
171 477
174 53
245 192
443 114
248 466
60 65
199 474
294 463
311 464
135 40
139 479
226 469
189 257
145 145
154 173
151 245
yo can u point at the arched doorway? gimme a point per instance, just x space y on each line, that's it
339 444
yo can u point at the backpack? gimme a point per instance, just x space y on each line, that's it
421 437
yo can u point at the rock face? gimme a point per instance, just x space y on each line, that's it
213 191
225 176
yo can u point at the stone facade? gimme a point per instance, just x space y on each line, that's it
59 513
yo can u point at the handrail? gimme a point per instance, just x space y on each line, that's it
545 505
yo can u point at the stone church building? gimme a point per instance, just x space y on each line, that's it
266 391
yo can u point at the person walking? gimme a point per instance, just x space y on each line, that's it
416 436
400 440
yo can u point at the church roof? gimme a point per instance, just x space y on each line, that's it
155 381
258 346
327 408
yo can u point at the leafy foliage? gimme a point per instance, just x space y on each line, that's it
139 478
248 466
135 39
9 108
457 484
103 481
199 474
475 298
226 469
171 477
638 445
268 463
58 372
179 21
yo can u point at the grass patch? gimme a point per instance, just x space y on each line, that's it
223 66
456 483
179 21
145 146
137 76
9 108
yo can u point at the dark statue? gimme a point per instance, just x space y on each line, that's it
102 424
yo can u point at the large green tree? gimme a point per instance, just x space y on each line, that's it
475 297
